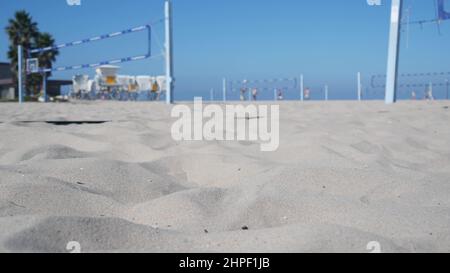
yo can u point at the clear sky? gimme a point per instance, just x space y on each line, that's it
329 41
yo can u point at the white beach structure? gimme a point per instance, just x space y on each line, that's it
123 81
109 84
107 70
162 83
80 85
107 75
144 83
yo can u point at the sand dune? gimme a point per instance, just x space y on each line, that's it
346 174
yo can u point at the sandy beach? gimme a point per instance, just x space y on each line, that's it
345 174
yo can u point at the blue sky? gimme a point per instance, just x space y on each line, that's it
329 41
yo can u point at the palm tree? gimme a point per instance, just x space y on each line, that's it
22 31
46 59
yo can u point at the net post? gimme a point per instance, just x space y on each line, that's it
224 89
302 88
44 85
19 72
393 54
359 87
168 54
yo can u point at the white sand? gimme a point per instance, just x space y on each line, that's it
346 173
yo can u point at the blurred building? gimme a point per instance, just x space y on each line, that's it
6 83
8 87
